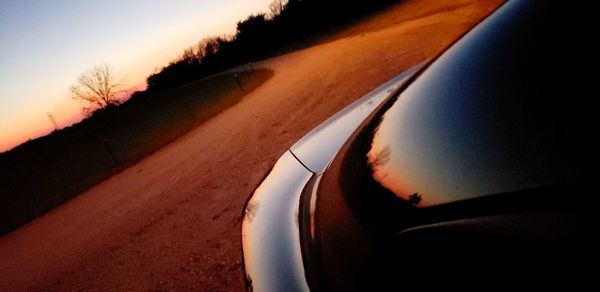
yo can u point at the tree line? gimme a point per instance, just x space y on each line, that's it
258 36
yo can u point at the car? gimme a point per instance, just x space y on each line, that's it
492 143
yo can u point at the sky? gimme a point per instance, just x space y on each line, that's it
46 44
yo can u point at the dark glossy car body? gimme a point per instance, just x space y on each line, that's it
493 142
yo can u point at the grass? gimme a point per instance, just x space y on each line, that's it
41 174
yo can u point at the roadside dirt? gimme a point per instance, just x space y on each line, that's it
172 221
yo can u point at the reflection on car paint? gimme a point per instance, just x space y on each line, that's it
273 261
317 148
483 118
270 235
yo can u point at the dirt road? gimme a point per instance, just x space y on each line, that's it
171 222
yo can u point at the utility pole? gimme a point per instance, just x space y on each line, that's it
51 117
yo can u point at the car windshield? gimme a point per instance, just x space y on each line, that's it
513 117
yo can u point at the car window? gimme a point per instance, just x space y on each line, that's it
503 110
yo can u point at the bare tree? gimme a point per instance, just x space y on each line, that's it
276 7
97 87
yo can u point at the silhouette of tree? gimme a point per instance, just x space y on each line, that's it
252 27
415 199
259 36
250 211
205 48
276 8
381 158
96 87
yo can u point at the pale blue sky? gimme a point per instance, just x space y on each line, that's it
46 44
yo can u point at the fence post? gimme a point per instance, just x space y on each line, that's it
110 152
237 78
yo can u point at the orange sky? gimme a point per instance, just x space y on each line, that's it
29 89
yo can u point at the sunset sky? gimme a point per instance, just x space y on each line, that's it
45 45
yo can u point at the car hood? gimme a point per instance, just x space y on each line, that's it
317 149
270 227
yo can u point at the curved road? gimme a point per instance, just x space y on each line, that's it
172 221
